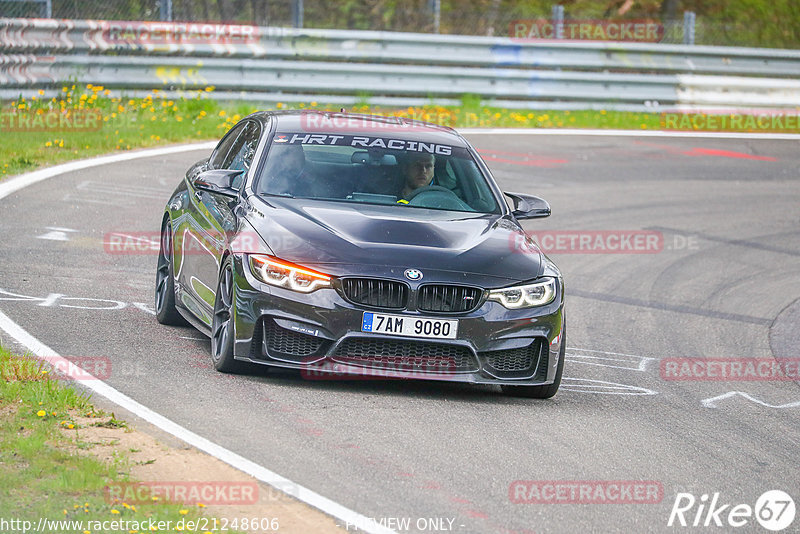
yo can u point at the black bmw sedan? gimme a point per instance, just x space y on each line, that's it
357 246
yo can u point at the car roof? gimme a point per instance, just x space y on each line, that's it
328 122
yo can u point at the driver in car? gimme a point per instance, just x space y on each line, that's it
418 172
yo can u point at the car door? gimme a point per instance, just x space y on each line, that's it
210 219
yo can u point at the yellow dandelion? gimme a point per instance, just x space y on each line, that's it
183 512
201 505
114 511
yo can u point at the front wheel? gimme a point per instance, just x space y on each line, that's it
548 390
222 324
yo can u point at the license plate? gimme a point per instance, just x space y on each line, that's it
401 325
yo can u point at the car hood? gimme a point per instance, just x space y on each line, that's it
360 238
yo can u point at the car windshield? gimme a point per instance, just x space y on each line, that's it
375 170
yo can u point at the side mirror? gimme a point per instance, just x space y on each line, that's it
219 181
528 206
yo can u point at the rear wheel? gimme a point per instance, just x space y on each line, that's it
222 333
166 313
546 391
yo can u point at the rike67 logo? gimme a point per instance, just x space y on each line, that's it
774 510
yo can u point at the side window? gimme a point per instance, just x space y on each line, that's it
224 147
240 157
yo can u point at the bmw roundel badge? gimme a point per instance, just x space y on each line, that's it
413 274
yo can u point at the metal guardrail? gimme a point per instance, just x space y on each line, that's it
37 53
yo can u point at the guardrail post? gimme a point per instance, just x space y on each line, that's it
689 18
165 10
297 13
436 7
558 21
48 9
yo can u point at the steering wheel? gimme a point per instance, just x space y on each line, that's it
436 196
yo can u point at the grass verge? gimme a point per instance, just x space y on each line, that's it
48 481
86 121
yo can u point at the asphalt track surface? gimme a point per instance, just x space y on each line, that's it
725 285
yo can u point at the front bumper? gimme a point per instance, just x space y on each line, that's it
320 334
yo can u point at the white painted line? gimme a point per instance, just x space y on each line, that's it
56 233
601 387
144 307
628 133
24 180
101 388
633 361
712 401
231 458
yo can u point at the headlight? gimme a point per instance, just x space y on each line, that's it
526 296
275 272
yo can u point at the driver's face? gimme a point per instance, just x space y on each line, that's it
419 171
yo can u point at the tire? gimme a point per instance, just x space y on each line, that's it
546 391
166 313
222 323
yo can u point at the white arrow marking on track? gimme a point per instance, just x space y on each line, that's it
56 234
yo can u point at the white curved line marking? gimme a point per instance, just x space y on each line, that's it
24 180
712 402
101 388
